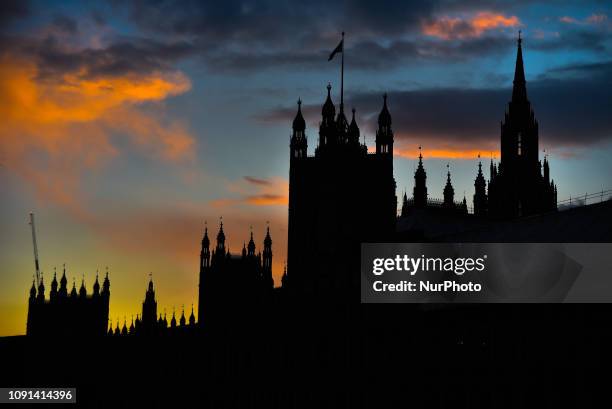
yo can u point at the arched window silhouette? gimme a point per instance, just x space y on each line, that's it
519 145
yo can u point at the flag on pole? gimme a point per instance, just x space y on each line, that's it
338 49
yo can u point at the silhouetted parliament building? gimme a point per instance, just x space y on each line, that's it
310 329
340 197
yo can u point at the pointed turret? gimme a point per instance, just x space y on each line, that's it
149 307
33 290
182 320
106 285
192 319
449 192
220 250
384 134
124 330
299 144
96 286
53 293
284 278
205 251
405 205
251 247
73 292
41 290
83 290
480 192
63 289
327 128
173 320
329 110
267 260
353 131
420 184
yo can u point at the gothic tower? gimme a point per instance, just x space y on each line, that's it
149 310
518 188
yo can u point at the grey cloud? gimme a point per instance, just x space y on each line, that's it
572 110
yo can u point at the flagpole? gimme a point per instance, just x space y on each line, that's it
342 77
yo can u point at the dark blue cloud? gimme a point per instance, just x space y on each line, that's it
572 103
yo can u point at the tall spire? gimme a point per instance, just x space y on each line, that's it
519 90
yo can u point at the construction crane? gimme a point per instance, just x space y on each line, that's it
35 249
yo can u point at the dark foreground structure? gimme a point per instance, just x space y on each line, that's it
310 343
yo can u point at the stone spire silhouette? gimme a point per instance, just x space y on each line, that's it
53 293
299 144
83 290
480 192
41 289
353 131
405 205
73 292
220 250
519 90
173 320
96 286
182 321
420 183
251 246
106 285
327 128
449 192
63 289
33 290
149 307
384 134
192 319
205 251
329 109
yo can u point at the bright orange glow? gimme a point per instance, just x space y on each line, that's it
442 153
448 28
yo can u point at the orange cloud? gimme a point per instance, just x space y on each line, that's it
441 153
256 192
54 129
448 28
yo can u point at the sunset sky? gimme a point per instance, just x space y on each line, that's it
125 125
